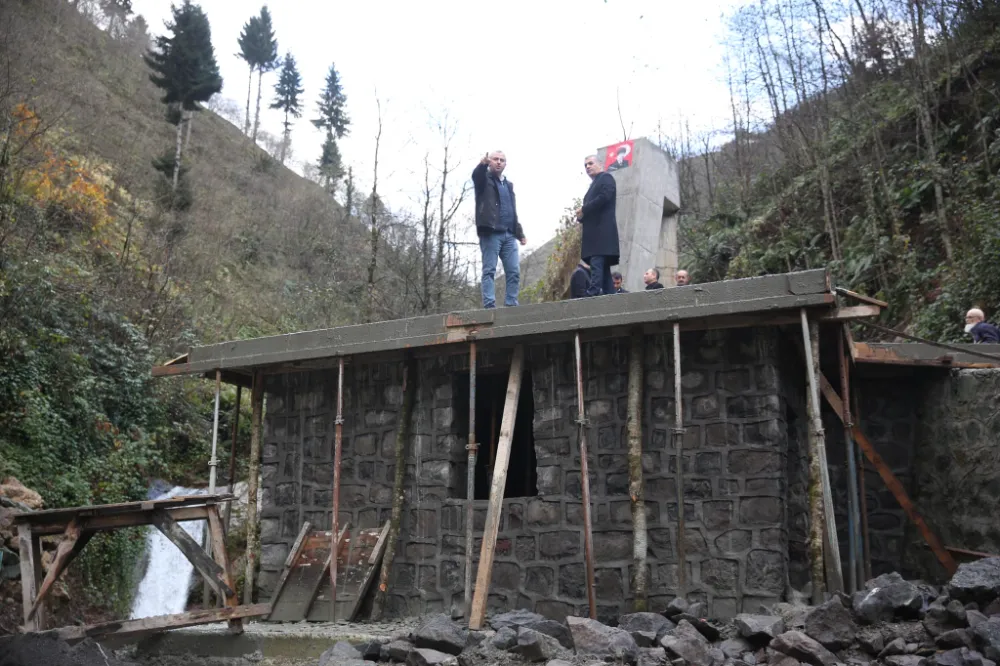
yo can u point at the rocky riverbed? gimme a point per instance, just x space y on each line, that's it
892 622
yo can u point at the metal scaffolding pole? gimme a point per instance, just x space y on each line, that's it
470 486
588 534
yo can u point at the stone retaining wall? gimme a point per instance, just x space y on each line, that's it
735 487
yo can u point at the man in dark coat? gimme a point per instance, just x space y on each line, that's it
652 279
617 279
580 280
981 330
498 228
599 246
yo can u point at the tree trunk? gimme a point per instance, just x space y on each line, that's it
187 134
256 115
253 527
635 485
177 152
286 138
402 435
246 121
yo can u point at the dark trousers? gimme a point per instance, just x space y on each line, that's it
600 276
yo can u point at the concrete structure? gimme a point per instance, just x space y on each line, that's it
745 471
648 204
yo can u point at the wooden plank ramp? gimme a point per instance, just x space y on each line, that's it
358 561
305 574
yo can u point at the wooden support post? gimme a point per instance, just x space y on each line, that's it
402 436
478 612
588 534
822 523
892 483
862 495
213 465
217 540
470 473
855 576
204 565
678 437
338 439
232 455
31 568
253 526
636 491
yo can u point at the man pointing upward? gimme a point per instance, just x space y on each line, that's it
497 226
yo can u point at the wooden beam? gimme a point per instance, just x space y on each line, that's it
41 519
861 297
253 525
118 521
122 628
217 537
207 567
30 560
293 554
64 553
337 545
478 613
373 561
890 480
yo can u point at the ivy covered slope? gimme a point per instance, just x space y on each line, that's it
889 176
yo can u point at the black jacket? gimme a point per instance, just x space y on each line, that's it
579 282
653 285
488 203
600 227
985 332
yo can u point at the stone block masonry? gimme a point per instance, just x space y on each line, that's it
735 475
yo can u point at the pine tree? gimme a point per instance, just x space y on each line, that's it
184 67
247 40
287 92
330 166
259 48
333 118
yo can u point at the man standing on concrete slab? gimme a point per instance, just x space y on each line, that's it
580 280
497 226
616 278
599 246
981 330
681 278
652 279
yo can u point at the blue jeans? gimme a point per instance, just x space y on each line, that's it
500 244
600 276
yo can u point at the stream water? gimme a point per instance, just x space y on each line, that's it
163 589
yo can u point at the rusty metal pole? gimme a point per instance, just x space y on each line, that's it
588 535
213 462
862 495
470 486
852 478
334 521
232 454
678 436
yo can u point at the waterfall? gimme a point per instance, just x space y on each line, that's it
165 585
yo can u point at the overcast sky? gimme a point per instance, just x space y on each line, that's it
536 79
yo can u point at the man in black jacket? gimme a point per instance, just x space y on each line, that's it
580 280
981 330
498 227
599 246
652 279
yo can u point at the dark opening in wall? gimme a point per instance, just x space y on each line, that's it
491 393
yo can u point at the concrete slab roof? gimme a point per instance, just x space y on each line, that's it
921 354
755 299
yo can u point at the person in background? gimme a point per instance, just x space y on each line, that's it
580 280
681 278
652 279
616 278
497 226
981 330
599 245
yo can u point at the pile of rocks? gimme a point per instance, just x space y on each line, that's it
892 621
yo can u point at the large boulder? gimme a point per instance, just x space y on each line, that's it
397 650
735 648
832 625
687 643
708 630
796 644
676 606
429 657
653 623
340 652
759 628
514 618
556 630
886 597
591 638
977 582
987 638
505 638
441 633
536 646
